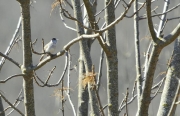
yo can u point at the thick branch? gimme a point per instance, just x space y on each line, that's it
171 86
66 47
150 23
172 36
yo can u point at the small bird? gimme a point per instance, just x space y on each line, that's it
50 47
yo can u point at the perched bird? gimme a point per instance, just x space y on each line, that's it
50 47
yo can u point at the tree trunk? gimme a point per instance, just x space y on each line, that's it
171 87
111 61
83 96
1 108
26 68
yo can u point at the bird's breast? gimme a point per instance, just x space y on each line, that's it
51 49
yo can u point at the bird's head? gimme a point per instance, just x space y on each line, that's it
54 40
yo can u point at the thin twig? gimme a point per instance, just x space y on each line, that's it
100 65
130 101
144 17
99 102
12 42
69 4
50 74
135 12
105 106
62 100
59 81
158 88
163 17
32 49
158 84
68 27
134 88
119 18
34 42
46 82
13 109
103 9
126 100
169 19
100 69
17 102
7 101
17 75
10 59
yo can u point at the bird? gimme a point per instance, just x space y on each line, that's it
49 48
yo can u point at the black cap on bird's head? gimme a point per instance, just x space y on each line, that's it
54 39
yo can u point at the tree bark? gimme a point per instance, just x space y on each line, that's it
171 86
26 68
111 61
1 108
85 62
137 53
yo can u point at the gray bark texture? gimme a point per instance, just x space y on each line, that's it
26 68
137 53
158 44
171 88
84 61
91 7
1 108
145 98
111 61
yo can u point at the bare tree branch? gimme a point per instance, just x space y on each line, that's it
62 100
100 70
68 85
126 100
10 59
172 36
150 23
137 52
17 102
103 9
159 14
163 17
17 75
12 42
68 27
136 11
121 107
159 86
11 104
60 79
46 82
66 47
119 18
